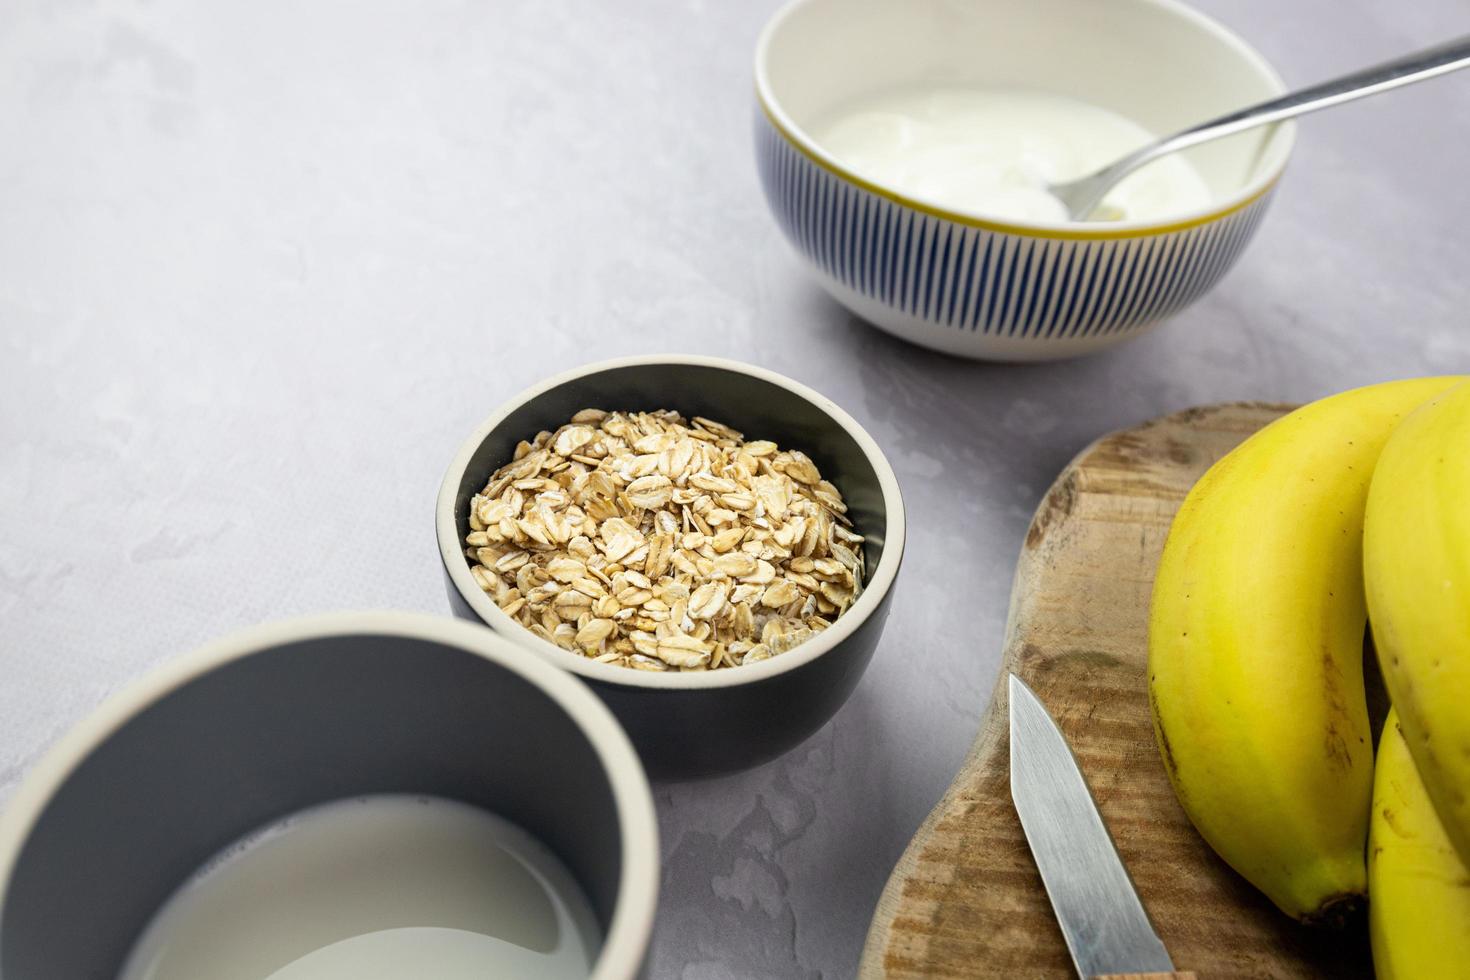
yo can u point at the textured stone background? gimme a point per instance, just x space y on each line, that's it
263 265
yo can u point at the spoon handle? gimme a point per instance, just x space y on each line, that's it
1369 81
1414 67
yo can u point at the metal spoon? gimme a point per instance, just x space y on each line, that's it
1083 195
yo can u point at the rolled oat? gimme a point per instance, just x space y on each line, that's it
656 543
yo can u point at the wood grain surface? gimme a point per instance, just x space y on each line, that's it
965 900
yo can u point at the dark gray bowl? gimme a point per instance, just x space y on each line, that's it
232 737
687 724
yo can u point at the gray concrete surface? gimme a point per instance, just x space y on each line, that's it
263 265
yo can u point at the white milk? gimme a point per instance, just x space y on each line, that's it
994 151
378 888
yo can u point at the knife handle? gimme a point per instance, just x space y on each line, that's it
1176 975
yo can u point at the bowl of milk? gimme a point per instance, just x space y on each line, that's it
906 151
352 797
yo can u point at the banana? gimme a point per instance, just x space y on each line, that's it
1419 916
1416 567
1256 649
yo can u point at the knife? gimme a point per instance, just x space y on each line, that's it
1104 923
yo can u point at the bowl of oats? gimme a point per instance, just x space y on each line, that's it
707 544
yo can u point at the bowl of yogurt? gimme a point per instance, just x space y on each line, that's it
906 151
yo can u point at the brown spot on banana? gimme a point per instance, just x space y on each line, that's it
1164 748
1340 715
1391 818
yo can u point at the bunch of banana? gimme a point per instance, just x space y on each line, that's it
1256 649
1353 508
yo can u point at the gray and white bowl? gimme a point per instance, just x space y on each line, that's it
231 738
687 724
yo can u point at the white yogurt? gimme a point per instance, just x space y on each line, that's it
379 888
993 152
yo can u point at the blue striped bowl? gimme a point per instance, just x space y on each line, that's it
969 285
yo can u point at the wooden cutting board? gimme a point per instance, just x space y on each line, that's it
965 899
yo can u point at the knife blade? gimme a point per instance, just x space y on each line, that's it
1106 927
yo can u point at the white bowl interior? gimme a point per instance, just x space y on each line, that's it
1154 61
